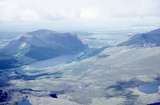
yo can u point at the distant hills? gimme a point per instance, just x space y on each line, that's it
44 44
149 39
41 45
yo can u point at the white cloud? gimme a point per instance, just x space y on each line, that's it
89 13
100 11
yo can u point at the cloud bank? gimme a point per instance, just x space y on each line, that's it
77 11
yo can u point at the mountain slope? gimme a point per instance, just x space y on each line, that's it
97 77
149 39
39 45
44 44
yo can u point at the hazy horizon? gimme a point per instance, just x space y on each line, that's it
74 15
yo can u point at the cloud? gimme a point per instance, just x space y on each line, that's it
89 13
76 11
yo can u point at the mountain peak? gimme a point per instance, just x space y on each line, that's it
42 31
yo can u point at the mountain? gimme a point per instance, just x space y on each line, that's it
149 39
43 44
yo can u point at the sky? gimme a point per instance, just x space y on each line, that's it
77 14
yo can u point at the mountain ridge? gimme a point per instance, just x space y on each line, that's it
148 39
42 45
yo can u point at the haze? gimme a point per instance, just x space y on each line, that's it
77 14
